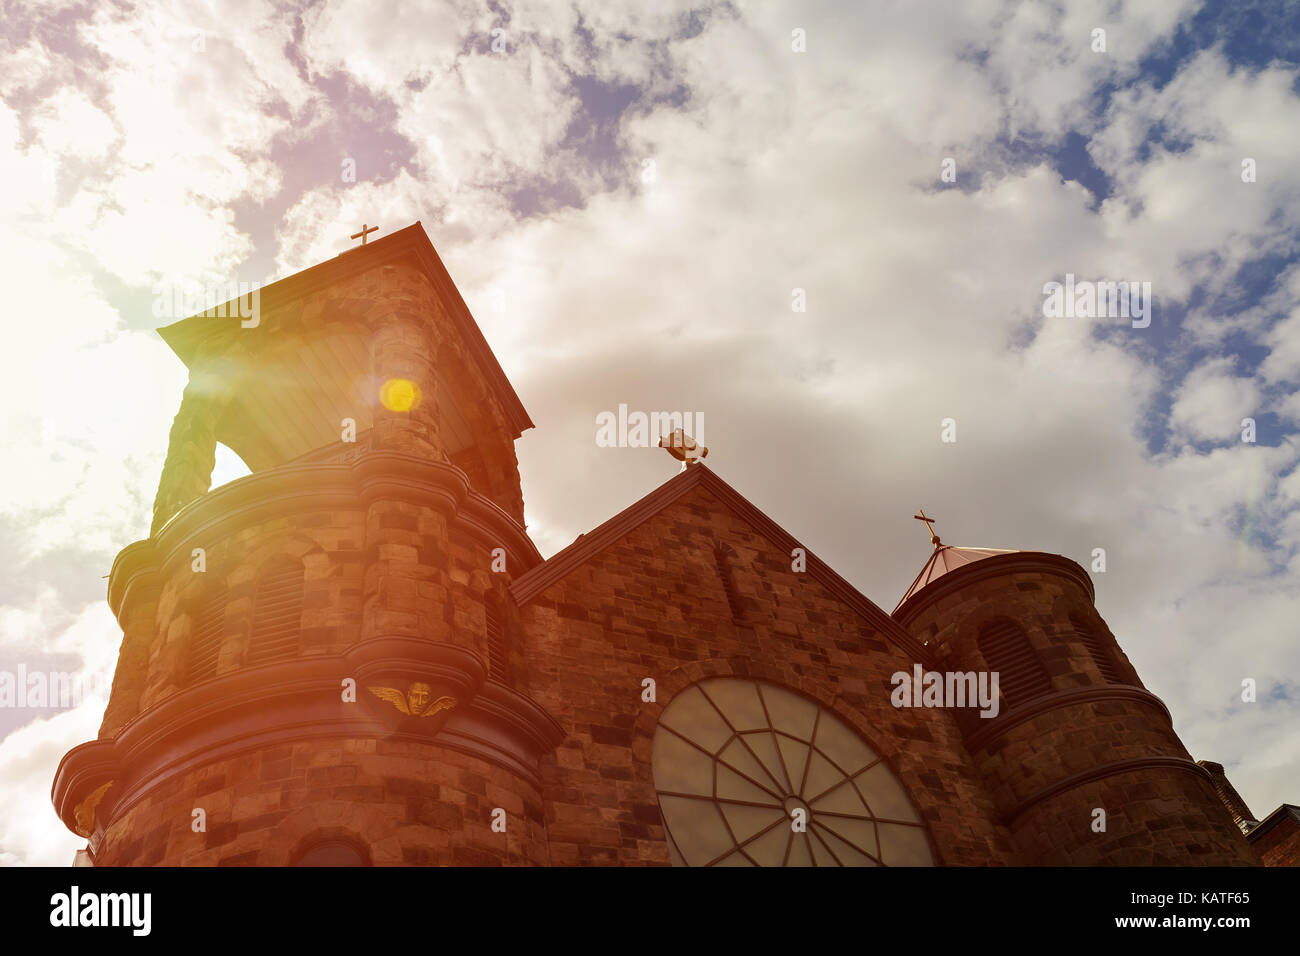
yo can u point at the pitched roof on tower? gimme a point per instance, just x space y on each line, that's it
320 376
946 558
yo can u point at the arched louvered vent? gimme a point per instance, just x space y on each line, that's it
498 660
722 556
1007 650
1097 648
277 613
205 642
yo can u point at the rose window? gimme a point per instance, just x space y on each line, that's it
751 774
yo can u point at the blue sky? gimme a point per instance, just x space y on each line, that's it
643 188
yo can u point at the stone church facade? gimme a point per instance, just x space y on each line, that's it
356 656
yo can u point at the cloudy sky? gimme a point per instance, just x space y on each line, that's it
639 192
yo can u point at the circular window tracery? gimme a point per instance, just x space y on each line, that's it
735 759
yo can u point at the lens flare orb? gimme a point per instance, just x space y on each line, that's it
399 395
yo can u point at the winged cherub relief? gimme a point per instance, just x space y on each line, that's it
417 701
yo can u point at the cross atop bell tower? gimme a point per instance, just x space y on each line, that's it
371 350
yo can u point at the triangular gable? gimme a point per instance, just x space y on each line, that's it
529 585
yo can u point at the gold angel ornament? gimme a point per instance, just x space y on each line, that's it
417 701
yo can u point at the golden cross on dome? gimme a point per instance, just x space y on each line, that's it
362 234
920 516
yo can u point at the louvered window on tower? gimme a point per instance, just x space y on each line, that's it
1007 650
498 661
205 642
1097 648
277 613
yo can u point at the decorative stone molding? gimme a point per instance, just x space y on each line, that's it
257 707
1101 771
994 727
139 567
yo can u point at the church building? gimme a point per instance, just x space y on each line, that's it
355 655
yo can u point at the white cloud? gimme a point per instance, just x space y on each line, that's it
30 832
68 124
1283 340
1212 401
1199 222
774 170
25 66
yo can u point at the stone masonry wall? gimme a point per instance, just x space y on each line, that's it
1038 770
392 567
652 605
409 803
1280 845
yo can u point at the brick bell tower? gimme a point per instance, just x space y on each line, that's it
1076 731
315 666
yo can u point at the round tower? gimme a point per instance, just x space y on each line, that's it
316 666
1081 760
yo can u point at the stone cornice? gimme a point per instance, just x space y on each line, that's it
256 707
1102 771
1016 561
277 492
997 726
534 582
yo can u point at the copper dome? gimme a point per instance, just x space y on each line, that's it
944 559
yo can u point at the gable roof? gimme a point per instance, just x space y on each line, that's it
527 586
1285 811
192 337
